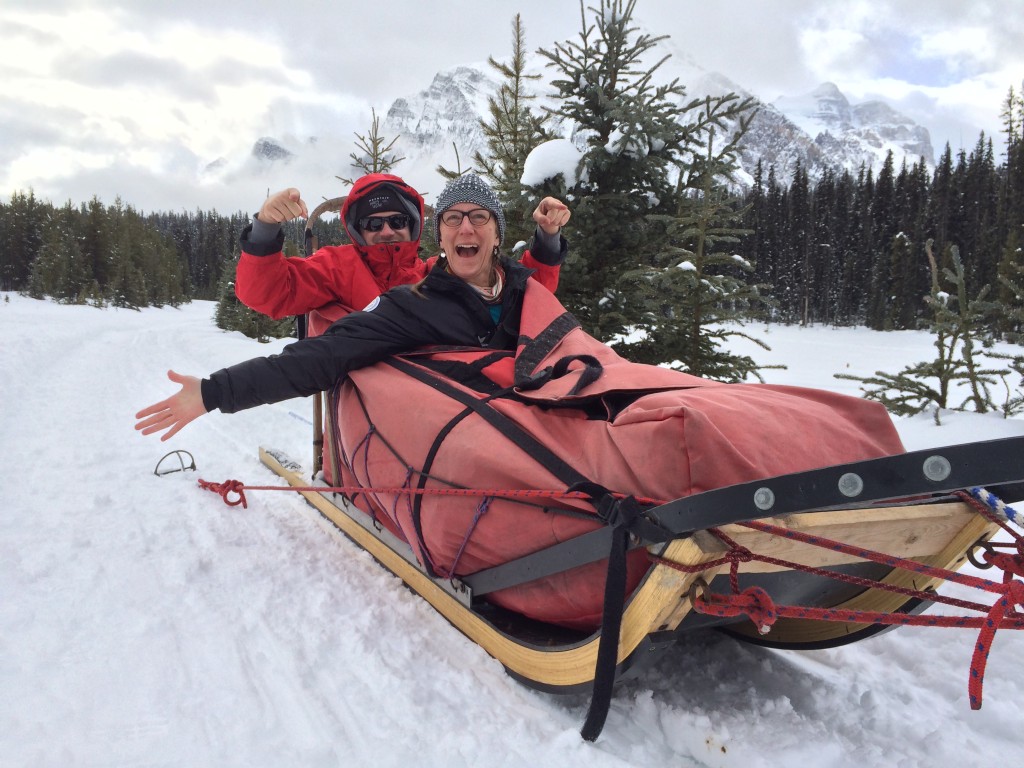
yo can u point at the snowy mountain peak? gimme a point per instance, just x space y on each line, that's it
446 111
855 134
818 131
270 149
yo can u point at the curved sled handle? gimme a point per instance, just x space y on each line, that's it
334 204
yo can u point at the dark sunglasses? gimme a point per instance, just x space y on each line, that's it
376 223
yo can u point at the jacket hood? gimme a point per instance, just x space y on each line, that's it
364 185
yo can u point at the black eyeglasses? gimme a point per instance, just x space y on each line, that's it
376 223
477 217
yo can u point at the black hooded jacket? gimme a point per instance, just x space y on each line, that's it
444 310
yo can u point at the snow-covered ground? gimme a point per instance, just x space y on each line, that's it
145 623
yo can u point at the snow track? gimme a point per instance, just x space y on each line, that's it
144 622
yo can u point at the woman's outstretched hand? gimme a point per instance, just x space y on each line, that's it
176 411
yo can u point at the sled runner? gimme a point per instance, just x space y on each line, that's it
938 530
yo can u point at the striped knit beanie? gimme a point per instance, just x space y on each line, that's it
468 188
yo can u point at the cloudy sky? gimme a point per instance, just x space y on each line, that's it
136 99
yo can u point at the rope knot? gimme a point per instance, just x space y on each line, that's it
1010 565
753 602
761 609
739 554
1015 593
225 489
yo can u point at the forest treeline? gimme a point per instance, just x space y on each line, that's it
112 254
668 256
850 249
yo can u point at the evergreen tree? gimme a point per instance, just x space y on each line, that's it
800 274
59 271
127 287
373 153
1012 115
942 200
769 262
902 305
956 367
906 268
883 230
626 125
24 222
859 258
96 241
512 130
694 293
632 135
1010 295
233 315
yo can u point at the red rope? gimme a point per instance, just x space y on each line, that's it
512 493
756 603
997 619
226 488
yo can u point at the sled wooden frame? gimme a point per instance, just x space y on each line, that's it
311 244
939 534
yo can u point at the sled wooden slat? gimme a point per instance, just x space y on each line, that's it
951 556
937 534
909 532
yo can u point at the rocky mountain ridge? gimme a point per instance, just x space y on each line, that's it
820 130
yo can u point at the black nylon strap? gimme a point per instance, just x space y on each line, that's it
591 372
516 434
417 504
623 511
535 350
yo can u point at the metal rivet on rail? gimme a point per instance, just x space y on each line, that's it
851 485
764 499
937 468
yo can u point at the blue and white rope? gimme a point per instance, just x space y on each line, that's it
998 506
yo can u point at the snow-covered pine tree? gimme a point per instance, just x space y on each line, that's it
59 271
695 291
233 315
630 130
957 323
22 224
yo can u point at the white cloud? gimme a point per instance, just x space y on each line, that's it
141 96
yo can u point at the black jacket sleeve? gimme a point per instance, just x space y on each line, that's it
444 310
549 249
316 364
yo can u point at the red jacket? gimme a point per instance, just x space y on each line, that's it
352 275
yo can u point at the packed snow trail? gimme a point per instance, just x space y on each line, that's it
144 622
